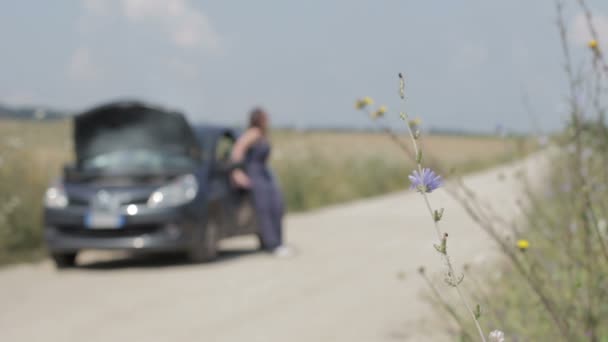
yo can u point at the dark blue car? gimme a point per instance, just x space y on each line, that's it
145 179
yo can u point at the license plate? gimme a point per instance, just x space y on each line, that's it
101 220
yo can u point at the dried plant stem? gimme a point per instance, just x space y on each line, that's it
479 214
580 179
393 137
452 278
448 308
594 35
595 221
535 284
599 63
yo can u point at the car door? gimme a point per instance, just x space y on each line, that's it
221 182
240 214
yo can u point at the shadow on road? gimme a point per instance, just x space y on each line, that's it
158 260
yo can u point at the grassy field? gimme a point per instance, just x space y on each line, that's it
320 168
315 169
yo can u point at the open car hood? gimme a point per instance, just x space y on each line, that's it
125 126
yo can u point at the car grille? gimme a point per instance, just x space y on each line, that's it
81 202
130 231
138 199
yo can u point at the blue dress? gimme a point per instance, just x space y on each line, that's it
267 197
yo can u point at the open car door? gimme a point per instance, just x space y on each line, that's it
240 213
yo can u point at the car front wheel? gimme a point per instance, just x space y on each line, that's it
205 249
64 260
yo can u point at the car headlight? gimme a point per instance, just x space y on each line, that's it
178 192
55 197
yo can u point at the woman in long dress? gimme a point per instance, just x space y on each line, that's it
252 150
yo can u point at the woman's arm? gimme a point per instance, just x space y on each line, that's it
239 151
243 144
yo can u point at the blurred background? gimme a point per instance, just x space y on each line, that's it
485 78
474 73
468 62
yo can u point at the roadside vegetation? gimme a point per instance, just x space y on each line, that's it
30 156
315 169
552 282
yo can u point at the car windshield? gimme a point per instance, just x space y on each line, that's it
137 160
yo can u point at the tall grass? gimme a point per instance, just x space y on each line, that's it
30 156
315 181
318 168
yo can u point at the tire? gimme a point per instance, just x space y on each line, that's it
64 260
205 247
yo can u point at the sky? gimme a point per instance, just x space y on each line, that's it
468 63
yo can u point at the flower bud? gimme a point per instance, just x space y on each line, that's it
438 214
443 248
477 311
497 336
401 86
379 113
593 44
364 102
523 245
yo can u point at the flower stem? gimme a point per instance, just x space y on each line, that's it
430 208
451 274
462 299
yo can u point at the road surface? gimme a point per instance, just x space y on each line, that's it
341 286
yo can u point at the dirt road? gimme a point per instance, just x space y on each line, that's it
342 285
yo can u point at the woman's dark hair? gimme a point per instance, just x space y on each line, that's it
256 118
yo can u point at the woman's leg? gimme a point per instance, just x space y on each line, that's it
262 198
277 214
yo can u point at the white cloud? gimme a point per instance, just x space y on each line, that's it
186 26
580 33
175 22
82 67
183 24
18 99
98 7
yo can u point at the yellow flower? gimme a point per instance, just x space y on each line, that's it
593 44
415 122
364 102
523 244
379 113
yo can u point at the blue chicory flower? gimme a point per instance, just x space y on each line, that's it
425 181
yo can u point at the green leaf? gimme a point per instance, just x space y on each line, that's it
477 311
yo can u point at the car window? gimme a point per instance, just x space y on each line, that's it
224 148
138 159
